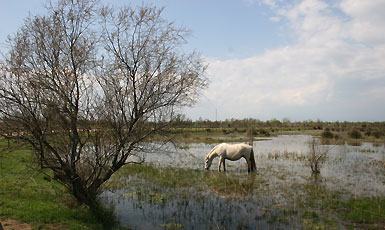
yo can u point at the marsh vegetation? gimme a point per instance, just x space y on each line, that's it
172 191
232 130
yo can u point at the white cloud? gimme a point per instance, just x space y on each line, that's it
275 19
271 3
336 45
367 20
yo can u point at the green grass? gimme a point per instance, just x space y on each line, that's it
231 186
325 208
364 210
219 183
31 197
172 177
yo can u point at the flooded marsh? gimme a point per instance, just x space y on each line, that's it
172 191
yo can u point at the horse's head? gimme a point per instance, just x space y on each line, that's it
208 162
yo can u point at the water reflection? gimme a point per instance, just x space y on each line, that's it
155 207
237 200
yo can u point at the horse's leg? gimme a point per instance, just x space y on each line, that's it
248 164
219 164
221 161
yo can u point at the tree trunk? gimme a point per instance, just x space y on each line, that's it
82 194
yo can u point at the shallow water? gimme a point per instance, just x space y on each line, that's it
154 207
359 169
281 161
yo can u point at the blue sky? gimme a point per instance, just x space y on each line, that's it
300 59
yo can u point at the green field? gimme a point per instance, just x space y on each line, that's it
30 196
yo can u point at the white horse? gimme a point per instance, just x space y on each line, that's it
231 152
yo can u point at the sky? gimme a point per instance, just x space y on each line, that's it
273 59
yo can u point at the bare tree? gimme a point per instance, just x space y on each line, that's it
317 155
85 85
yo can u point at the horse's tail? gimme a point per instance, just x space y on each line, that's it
252 160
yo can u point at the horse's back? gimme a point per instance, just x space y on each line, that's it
239 147
236 151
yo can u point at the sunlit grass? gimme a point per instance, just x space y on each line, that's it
32 197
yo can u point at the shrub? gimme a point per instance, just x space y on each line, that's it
317 156
368 132
264 132
377 133
327 134
355 134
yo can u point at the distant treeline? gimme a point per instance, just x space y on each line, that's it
181 121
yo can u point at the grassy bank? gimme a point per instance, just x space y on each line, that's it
33 198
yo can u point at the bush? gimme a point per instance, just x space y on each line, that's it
317 156
355 134
368 132
327 134
377 133
264 132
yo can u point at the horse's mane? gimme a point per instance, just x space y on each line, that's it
212 150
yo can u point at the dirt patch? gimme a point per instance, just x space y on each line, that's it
9 224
